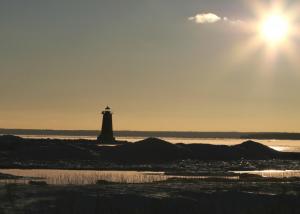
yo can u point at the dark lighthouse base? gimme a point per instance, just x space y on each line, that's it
102 140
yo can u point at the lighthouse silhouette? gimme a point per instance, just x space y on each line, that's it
106 136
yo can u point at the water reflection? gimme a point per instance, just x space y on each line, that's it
84 177
273 173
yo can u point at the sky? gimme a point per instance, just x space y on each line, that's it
159 64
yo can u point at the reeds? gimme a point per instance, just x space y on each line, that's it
84 177
87 177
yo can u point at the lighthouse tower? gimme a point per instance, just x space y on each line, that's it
106 136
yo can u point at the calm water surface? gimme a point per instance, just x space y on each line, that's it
84 177
273 173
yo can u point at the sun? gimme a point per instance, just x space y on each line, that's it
271 34
275 28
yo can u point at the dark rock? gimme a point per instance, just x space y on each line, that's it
149 150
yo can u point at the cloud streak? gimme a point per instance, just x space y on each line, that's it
205 18
210 18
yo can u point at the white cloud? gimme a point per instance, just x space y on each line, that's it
205 18
210 18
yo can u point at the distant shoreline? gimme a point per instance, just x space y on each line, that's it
170 134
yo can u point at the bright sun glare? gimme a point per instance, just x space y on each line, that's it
275 28
273 31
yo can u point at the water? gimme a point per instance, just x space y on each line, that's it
280 145
273 173
84 177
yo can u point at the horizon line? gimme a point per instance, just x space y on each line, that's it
166 131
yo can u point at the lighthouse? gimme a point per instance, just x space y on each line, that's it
106 136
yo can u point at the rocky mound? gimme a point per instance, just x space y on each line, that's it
154 150
149 150
254 150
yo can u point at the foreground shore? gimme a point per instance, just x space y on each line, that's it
214 194
173 196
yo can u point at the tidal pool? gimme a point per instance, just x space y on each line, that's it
272 173
85 177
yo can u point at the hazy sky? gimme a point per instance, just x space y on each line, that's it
152 61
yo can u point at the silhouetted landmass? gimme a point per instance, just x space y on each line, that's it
18 148
152 150
145 134
148 150
156 150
